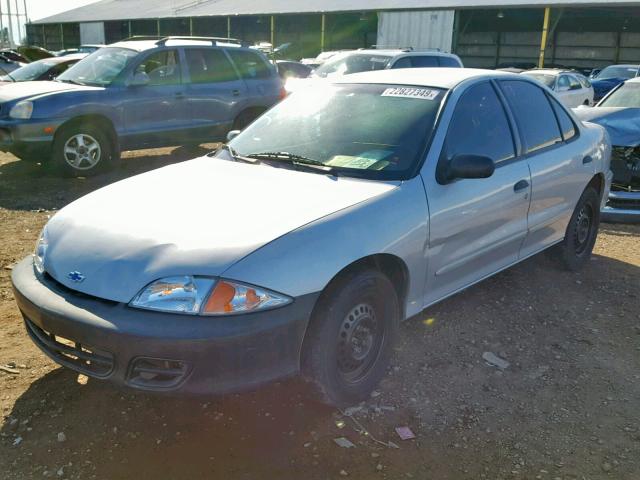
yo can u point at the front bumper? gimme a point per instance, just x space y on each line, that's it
622 207
158 351
25 138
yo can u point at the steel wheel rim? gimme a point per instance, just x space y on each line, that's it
360 340
584 222
82 152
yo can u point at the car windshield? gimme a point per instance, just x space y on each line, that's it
29 72
370 131
100 68
351 63
544 78
628 95
617 72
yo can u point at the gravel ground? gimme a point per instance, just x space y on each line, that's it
567 405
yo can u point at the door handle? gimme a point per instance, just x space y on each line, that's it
521 185
586 160
235 93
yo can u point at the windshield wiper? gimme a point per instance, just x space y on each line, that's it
294 159
234 155
68 80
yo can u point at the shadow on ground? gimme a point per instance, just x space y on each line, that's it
32 186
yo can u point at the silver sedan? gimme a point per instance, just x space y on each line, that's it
302 245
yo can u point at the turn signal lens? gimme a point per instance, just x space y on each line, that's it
232 297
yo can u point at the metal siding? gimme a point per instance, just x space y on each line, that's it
92 33
420 30
137 9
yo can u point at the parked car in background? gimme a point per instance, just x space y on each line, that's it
610 77
13 56
309 266
572 88
47 69
368 60
137 94
89 48
322 57
7 64
290 69
619 113
66 51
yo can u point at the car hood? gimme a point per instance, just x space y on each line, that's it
606 83
193 218
622 124
21 90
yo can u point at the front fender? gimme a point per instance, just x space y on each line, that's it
306 259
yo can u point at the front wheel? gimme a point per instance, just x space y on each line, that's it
582 231
83 150
350 338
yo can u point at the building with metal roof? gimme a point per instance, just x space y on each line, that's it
484 33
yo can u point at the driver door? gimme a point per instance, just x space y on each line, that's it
155 109
476 225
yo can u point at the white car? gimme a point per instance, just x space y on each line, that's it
572 88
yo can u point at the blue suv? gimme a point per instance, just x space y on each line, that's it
135 94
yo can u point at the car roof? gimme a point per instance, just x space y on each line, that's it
63 59
392 52
425 77
627 65
633 80
142 45
550 71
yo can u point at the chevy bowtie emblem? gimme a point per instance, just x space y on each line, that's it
76 277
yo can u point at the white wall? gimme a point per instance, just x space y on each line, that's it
418 29
92 33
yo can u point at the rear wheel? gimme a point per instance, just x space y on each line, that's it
83 150
350 337
582 231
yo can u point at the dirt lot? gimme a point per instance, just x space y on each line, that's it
567 406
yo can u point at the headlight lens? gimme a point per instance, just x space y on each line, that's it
41 251
205 296
22 110
183 294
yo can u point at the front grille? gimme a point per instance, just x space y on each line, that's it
60 288
156 373
69 353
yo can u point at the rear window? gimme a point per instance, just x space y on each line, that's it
424 61
448 62
249 64
352 63
534 115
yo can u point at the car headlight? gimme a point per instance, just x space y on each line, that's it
41 251
22 110
205 296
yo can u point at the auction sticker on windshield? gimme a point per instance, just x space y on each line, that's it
421 93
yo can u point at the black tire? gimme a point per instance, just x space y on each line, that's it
349 341
575 250
93 161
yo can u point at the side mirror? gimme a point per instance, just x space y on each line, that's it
232 134
470 166
140 79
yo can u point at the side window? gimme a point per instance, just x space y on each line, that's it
404 62
479 126
584 81
563 81
249 64
208 65
567 127
423 62
574 84
163 68
448 62
534 116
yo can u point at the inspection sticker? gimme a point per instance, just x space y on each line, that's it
408 92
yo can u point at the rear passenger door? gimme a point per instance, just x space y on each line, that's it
262 81
477 225
215 93
557 173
